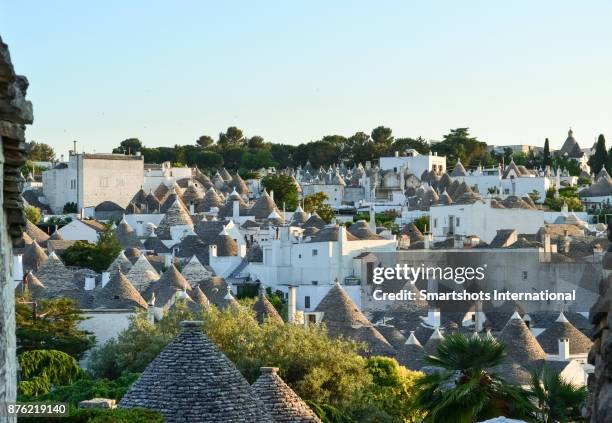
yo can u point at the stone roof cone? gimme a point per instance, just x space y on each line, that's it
520 343
54 275
431 346
192 381
343 318
166 287
411 353
176 215
194 271
579 343
33 285
264 310
142 274
121 263
119 293
34 257
280 400
36 233
263 206
127 235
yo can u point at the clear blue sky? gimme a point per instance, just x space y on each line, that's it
167 72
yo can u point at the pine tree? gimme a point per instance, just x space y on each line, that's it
546 156
600 158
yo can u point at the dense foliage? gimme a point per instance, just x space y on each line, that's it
97 256
556 399
285 190
568 195
327 372
39 152
317 203
55 326
43 369
33 214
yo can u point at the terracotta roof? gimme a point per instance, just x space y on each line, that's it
284 405
343 318
191 367
579 343
264 310
119 293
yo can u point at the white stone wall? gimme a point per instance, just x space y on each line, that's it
78 231
106 325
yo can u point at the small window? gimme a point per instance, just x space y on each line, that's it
473 317
315 282
458 221
524 275
299 256
307 301
435 223
312 318
315 252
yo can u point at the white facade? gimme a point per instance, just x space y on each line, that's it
89 179
414 163
164 173
78 231
334 192
482 220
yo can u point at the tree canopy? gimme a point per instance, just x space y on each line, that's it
40 152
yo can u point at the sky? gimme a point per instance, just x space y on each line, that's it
167 72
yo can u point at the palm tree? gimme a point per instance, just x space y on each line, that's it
557 400
462 389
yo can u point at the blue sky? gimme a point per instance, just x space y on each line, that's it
167 72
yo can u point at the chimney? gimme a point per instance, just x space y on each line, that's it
434 317
272 194
212 250
17 268
427 241
82 213
151 310
191 208
397 154
547 243
105 278
372 222
564 349
292 300
235 210
90 284
168 259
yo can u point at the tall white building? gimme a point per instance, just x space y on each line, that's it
89 179
414 162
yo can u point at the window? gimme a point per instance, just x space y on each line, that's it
103 182
315 282
307 301
315 252
312 318
524 275
474 317
457 221
299 256
435 223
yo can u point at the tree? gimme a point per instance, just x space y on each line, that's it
546 154
556 399
534 195
233 137
383 138
285 190
55 326
33 214
464 390
128 146
359 148
256 142
317 203
458 144
403 144
43 369
40 152
70 207
599 159
205 141
253 159
94 256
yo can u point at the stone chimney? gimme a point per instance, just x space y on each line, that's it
292 302
372 222
564 349
235 210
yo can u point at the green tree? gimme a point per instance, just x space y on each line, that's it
556 399
40 152
546 154
285 190
465 390
383 138
70 207
33 214
54 327
600 158
253 159
403 144
128 146
256 142
534 195
458 144
233 137
43 369
205 141
422 223
317 203
95 256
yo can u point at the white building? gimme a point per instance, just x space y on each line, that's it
81 230
155 174
414 162
89 179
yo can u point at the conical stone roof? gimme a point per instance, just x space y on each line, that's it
458 170
161 191
284 405
215 289
299 216
264 310
520 343
56 236
314 221
119 293
392 335
121 263
166 287
142 274
199 298
54 275
239 185
431 346
343 318
192 381
36 233
127 235
411 353
361 230
413 232
579 343
33 257
176 215
32 285
263 206
225 175
192 195
194 271
211 199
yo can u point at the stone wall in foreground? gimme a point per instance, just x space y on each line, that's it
15 113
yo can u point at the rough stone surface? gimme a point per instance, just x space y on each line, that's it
600 381
192 381
15 113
